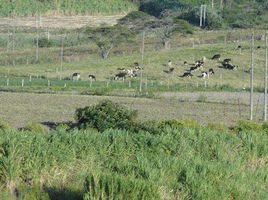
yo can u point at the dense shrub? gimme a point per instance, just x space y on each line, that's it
116 187
105 115
182 123
246 125
36 127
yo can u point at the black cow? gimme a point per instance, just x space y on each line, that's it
186 74
216 57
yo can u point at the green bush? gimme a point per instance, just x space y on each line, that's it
62 128
43 42
246 125
118 187
4 125
105 115
182 123
36 127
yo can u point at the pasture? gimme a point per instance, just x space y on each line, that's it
19 72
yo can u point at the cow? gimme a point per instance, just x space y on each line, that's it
169 71
120 75
76 76
186 74
92 77
227 60
230 66
207 74
216 57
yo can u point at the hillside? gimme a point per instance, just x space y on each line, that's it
219 14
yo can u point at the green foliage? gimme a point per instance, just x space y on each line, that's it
31 193
177 163
105 115
117 187
30 7
4 125
246 125
36 127
43 42
179 123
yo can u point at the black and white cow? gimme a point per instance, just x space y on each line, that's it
92 77
76 76
120 75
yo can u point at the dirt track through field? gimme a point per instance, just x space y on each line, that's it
68 22
21 108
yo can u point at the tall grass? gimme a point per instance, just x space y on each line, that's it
180 163
30 7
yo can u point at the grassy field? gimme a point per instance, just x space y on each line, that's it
21 108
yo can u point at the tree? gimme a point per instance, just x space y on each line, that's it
106 38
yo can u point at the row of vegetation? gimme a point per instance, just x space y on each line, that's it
219 15
107 154
69 7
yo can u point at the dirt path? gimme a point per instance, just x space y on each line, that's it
68 22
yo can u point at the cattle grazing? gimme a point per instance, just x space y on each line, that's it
216 57
185 62
230 66
76 76
209 73
227 60
258 47
92 77
169 71
120 75
187 74
121 69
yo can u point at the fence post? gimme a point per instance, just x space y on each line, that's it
90 83
30 78
107 84
22 82
129 83
7 81
48 83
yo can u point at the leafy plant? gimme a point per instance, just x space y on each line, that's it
117 187
105 115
